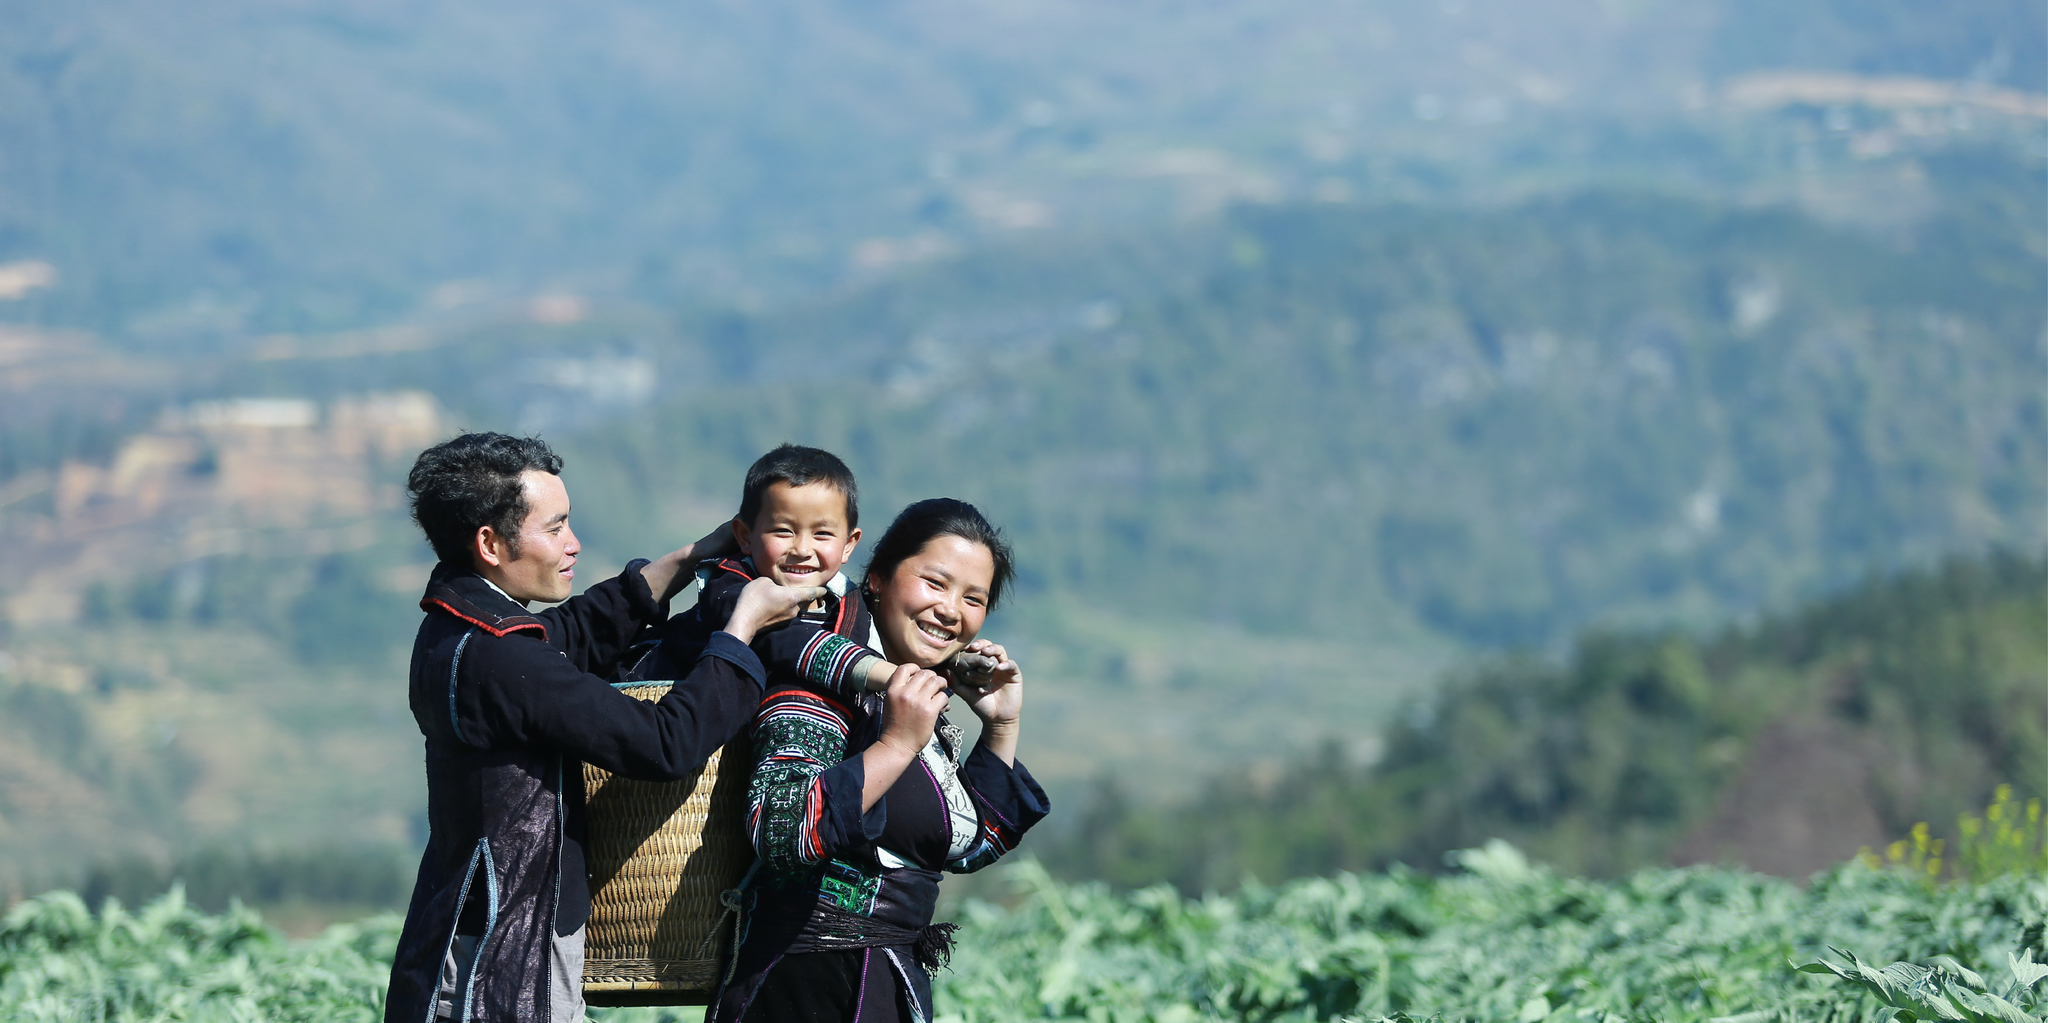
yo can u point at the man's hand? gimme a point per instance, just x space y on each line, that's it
763 603
668 574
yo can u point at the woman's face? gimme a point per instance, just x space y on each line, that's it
934 603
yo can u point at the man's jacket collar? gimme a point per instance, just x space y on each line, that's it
466 595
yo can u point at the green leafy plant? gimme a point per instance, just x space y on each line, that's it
1502 939
1944 989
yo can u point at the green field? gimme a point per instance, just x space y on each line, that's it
1498 940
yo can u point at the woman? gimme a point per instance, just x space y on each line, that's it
856 807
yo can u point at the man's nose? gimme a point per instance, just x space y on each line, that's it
573 547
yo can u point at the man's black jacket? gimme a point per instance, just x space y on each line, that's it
511 705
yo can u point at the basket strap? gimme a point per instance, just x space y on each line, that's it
735 910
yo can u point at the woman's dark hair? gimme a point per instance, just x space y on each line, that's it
465 484
927 520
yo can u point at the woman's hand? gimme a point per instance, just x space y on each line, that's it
917 696
998 702
911 710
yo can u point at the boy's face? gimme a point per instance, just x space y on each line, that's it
800 538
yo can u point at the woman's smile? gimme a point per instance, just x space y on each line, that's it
934 602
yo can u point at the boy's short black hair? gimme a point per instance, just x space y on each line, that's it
798 466
463 485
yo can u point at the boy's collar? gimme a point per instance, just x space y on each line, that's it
838 584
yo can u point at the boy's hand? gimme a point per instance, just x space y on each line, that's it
916 698
764 602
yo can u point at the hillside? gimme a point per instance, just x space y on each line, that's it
1783 746
1267 474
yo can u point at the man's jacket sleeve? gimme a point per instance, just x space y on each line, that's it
520 690
594 628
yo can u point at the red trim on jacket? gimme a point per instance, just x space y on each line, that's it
502 629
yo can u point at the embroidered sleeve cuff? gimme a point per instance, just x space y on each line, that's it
835 664
727 647
843 826
1009 796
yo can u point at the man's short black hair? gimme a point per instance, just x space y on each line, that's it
798 466
463 485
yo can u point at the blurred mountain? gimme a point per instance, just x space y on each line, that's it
198 173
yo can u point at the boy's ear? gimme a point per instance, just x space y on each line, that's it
852 541
742 537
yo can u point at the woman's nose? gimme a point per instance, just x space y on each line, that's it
947 610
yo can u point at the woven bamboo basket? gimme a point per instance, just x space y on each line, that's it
660 855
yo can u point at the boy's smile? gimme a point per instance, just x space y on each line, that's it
800 538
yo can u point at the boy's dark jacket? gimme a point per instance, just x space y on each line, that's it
511 705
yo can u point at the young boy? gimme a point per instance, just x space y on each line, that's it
799 521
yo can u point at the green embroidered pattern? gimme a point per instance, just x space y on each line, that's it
797 736
847 888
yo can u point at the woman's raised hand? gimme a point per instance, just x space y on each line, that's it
998 702
916 698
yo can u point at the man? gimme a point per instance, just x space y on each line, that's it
511 705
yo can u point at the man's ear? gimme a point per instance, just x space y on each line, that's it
488 548
742 537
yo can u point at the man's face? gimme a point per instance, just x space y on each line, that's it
800 538
544 564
